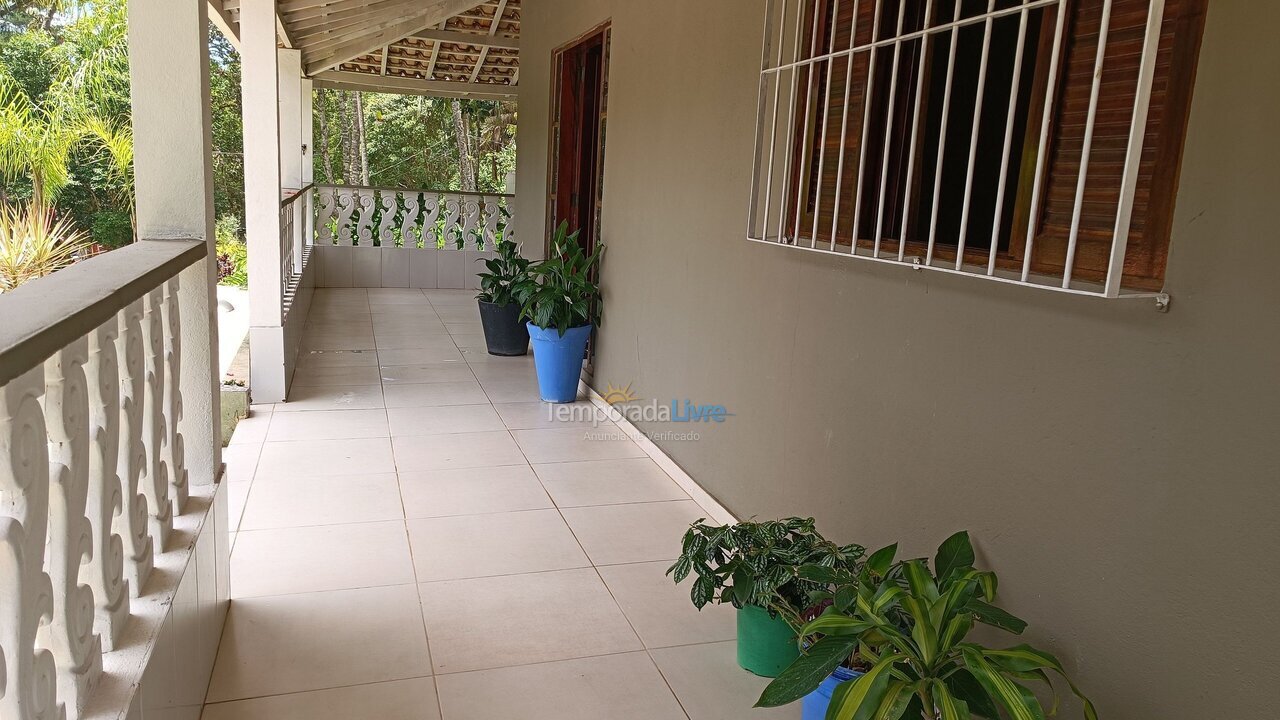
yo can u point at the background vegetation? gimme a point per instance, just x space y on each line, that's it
66 139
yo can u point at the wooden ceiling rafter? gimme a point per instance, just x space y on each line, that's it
460 47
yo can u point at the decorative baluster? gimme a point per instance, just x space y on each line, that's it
132 521
453 237
326 207
410 231
471 223
77 651
28 677
346 204
155 481
491 223
171 405
387 219
364 224
430 215
509 228
106 564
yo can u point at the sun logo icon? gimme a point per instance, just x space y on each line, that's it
614 395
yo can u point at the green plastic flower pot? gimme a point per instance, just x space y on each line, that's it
766 645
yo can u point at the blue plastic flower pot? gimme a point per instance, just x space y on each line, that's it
814 706
558 360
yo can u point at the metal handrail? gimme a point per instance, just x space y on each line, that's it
475 193
286 202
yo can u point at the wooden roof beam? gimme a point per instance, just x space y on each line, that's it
365 82
330 53
462 38
220 16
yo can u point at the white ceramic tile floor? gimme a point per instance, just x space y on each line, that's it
399 557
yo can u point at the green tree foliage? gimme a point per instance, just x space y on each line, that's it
66 135
411 142
228 129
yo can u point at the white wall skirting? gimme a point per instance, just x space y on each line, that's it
342 266
696 492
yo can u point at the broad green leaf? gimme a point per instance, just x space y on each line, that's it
817 573
831 623
919 580
881 559
1022 658
1005 693
949 707
859 699
988 614
963 685
1025 658
923 631
955 553
957 628
886 597
894 703
808 671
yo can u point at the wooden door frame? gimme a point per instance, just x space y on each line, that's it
603 31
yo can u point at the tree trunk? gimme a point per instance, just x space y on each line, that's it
327 160
361 147
342 133
466 167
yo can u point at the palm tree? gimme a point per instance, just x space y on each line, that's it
35 141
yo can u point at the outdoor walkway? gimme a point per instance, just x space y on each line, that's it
418 541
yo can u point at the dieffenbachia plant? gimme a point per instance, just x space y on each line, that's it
909 625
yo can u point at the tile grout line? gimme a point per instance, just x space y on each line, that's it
596 569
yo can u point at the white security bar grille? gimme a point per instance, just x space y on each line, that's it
921 132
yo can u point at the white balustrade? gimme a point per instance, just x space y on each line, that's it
390 217
131 523
77 650
155 480
90 456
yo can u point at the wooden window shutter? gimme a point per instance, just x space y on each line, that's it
1162 149
820 11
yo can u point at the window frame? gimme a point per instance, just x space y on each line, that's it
1025 191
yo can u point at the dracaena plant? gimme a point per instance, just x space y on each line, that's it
506 278
758 563
565 293
909 624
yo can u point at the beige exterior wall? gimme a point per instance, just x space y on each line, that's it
1120 468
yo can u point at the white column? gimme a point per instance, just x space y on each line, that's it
308 157
290 90
290 99
260 94
169 72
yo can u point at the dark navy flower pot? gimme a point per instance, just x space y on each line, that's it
504 334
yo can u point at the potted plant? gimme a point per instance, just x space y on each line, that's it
562 307
504 286
910 623
755 566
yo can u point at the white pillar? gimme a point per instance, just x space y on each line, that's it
173 168
308 157
260 94
308 154
290 99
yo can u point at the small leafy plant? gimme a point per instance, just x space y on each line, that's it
760 563
33 243
565 294
909 624
506 278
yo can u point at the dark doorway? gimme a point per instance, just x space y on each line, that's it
577 135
